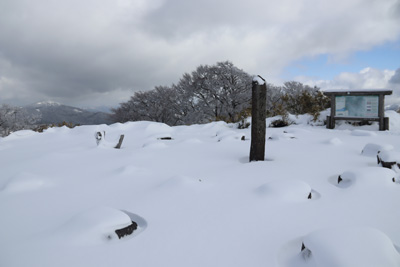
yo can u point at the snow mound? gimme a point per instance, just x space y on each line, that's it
390 156
278 136
349 247
229 136
334 141
155 145
95 226
371 150
24 182
297 131
157 129
394 120
214 127
362 133
191 141
181 180
286 190
371 176
161 136
130 170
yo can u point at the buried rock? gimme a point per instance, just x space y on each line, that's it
165 138
127 230
388 159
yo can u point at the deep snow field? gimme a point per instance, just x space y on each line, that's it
196 198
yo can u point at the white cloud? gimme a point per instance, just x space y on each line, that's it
368 78
75 50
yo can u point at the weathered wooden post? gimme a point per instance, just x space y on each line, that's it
121 138
258 114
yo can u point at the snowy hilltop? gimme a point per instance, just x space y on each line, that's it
187 196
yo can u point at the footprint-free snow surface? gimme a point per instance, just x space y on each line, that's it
196 200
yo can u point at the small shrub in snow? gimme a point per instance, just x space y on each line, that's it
279 123
41 128
243 124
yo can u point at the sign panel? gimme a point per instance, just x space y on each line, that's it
357 106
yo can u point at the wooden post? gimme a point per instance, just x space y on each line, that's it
381 112
386 123
258 114
330 124
121 138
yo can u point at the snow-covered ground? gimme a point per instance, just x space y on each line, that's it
196 198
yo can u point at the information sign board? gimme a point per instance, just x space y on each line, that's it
357 106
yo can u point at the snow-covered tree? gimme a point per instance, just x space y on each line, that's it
159 104
14 119
301 99
218 92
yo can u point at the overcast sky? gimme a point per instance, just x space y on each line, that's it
90 53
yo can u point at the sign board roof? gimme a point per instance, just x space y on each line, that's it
356 91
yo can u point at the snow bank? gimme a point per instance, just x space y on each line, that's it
204 204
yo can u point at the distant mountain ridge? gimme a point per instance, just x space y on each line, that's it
52 112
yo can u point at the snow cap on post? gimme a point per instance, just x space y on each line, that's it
258 79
